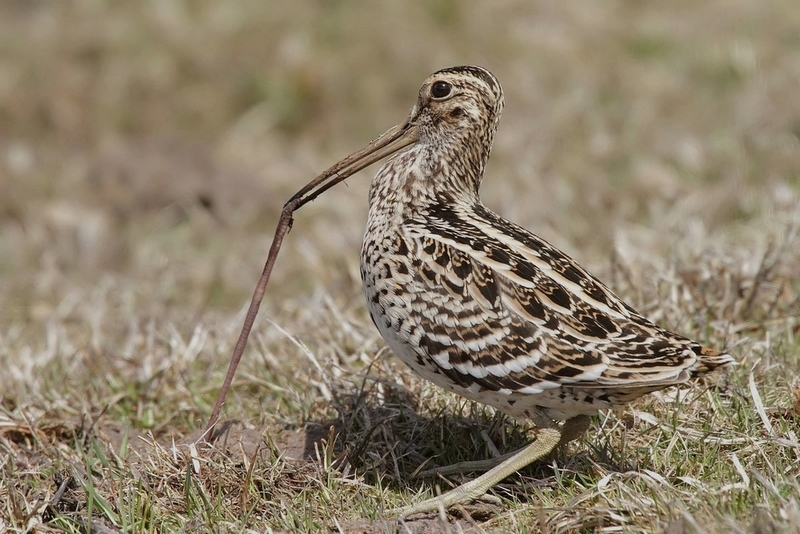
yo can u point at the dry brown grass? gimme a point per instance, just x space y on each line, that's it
145 151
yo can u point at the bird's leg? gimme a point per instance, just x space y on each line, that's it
571 430
469 466
547 438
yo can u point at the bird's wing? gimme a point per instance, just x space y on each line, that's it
508 311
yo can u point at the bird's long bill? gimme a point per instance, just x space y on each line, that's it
396 138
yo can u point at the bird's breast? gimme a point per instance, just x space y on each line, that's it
386 271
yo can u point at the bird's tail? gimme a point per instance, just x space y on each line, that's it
710 360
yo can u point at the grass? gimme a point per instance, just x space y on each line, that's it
146 149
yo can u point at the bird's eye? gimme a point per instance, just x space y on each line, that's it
441 89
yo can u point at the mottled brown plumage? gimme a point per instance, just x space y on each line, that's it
483 307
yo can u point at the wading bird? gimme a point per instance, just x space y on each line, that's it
477 304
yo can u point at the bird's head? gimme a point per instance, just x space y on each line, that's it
452 125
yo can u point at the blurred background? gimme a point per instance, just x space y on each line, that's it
146 148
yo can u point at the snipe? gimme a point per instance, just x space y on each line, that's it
481 306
